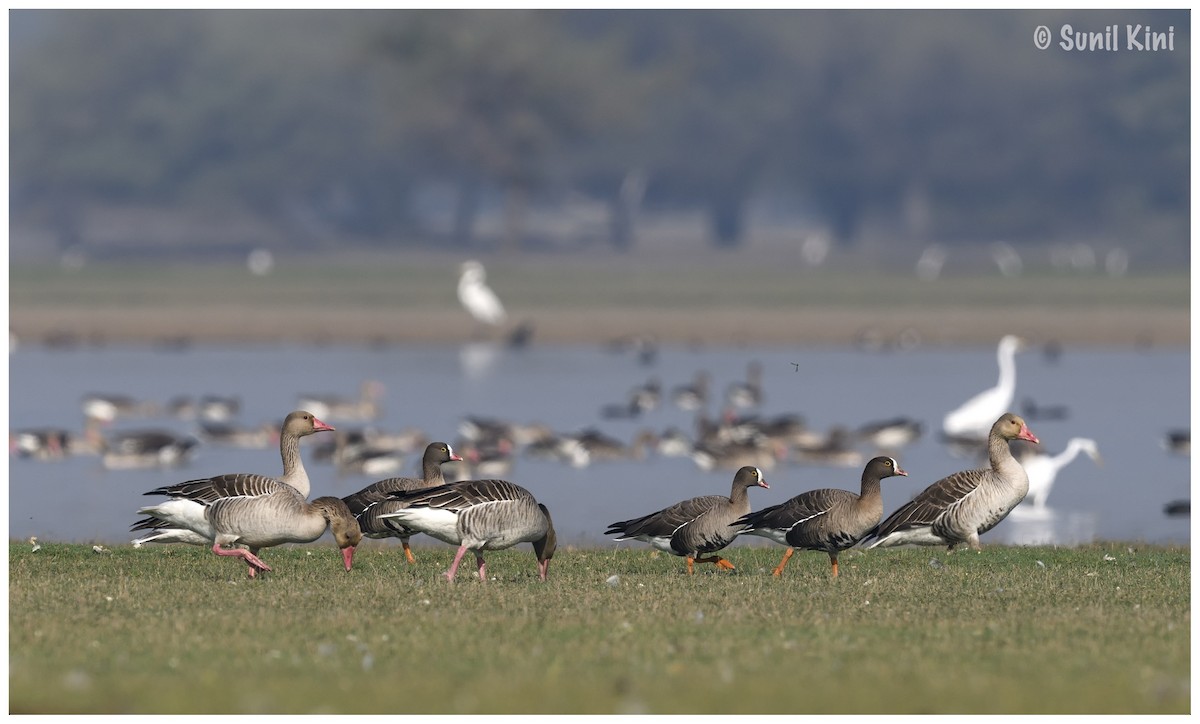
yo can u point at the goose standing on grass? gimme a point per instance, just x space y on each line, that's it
827 519
694 527
479 515
477 297
183 521
251 511
1043 469
975 416
370 503
962 506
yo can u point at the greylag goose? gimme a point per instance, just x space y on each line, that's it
477 297
1043 469
826 519
974 417
479 515
962 506
371 502
246 510
694 527
334 407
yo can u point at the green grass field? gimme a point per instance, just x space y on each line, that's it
1099 629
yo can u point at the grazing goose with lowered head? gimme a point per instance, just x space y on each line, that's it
694 527
190 514
479 515
370 503
826 519
251 511
962 506
974 417
1043 469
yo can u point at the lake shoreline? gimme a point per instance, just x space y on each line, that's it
65 326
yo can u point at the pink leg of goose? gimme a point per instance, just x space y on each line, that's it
245 555
454 566
482 566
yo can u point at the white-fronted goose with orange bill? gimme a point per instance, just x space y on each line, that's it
826 519
370 503
962 506
477 516
697 526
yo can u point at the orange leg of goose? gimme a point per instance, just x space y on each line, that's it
721 562
689 564
786 557
407 552
834 562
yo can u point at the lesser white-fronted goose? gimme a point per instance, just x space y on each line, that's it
974 417
826 519
334 407
371 502
477 297
246 510
1042 469
479 515
962 506
694 527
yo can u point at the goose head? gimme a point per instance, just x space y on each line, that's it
342 523
1011 426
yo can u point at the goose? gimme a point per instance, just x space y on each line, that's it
1042 469
369 503
964 505
333 407
694 396
891 434
252 511
40 443
150 448
694 527
226 433
974 417
747 394
108 407
479 515
826 519
477 297
1178 442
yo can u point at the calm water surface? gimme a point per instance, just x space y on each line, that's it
1126 399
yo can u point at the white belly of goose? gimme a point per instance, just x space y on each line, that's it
439 523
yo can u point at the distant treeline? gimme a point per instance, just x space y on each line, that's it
385 126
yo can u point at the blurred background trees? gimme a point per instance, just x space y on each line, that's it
455 129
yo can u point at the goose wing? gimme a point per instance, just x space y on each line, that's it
931 503
665 522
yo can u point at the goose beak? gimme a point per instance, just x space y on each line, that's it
763 484
319 426
455 457
348 556
1025 434
901 472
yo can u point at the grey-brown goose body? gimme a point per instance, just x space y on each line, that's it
479 515
694 527
370 504
826 519
962 506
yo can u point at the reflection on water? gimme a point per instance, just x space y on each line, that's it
1028 525
568 388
